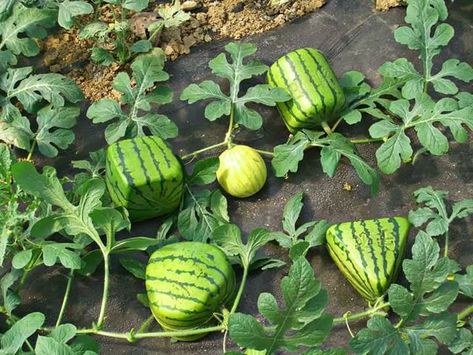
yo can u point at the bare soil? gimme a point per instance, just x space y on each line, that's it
210 19
384 5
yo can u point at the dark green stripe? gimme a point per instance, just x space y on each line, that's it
338 242
194 321
181 284
184 259
129 178
300 84
174 308
163 152
141 161
382 247
335 97
182 297
156 164
362 256
373 257
193 273
396 236
313 83
285 104
286 83
353 278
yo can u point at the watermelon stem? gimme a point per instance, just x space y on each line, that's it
30 153
236 302
106 277
137 336
146 324
265 152
465 313
366 140
326 128
66 297
445 251
378 310
228 135
203 150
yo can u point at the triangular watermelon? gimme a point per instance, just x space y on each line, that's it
369 252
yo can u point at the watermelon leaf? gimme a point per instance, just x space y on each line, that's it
362 99
423 118
76 220
202 213
31 90
228 237
94 168
131 116
234 104
333 147
378 338
422 309
314 231
435 214
13 339
462 342
135 267
204 171
20 30
53 131
428 35
300 321
466 282
70 9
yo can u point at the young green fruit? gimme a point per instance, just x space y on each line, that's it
187 283
369 252
242 171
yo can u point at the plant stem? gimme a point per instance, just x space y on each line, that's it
366 140
265 152
203 150
28 344
23 279
146 324
445 251
128 336
106 275
66 297
228 135
465 313
361 315
156 32
326 128
236 302
30 152
334 127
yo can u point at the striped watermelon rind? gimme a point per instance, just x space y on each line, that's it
317 96
187 283
369 252
144 176
242 171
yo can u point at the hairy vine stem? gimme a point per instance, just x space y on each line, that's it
106 281
66 297
362 315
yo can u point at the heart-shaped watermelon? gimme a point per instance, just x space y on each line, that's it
369 252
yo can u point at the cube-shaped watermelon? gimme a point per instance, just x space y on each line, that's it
144 176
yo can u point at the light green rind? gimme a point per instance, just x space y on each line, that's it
316 94
369 252
187 283
144 176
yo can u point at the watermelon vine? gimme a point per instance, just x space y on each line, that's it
78 223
